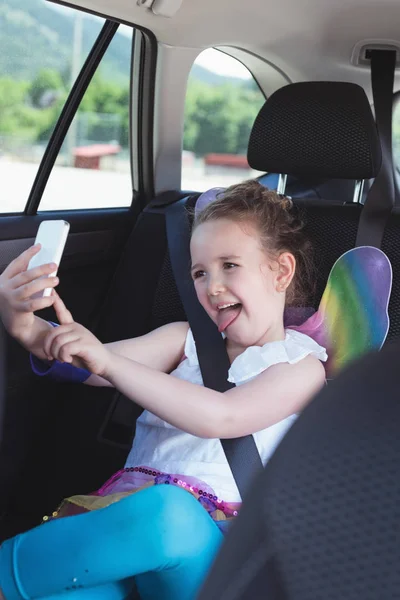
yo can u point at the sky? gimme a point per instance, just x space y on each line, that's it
210 59
221 63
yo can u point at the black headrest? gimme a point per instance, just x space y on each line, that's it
321 128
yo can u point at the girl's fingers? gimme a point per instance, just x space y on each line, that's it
63 314
69 351
50 337
48 340
26 277
28 290
57 347
21 262
36 304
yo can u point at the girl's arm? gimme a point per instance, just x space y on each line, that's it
161 350
278 392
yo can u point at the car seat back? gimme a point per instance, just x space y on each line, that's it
322 520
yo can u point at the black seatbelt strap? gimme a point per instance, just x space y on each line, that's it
381 197
241 453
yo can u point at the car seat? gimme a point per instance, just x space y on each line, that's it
322 521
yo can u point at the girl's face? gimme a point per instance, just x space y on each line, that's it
241 289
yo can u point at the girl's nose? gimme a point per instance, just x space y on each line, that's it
215 286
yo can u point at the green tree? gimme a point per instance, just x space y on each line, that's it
47 118
213 125
16 118
47 80
219 118
101 99
248 104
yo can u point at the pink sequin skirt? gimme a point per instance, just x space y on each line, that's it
133 479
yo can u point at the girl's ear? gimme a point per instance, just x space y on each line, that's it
286 270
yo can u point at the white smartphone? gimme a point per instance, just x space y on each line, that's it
52 236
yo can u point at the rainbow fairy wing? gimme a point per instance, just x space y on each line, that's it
352 317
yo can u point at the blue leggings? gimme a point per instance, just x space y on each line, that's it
160 539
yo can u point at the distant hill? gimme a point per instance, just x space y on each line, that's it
206 76
35 36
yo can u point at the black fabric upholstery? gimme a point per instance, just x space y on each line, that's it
391 245
316 129
135 281
167 306
332 230
2 381
322 522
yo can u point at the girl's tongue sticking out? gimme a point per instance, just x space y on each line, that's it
227 314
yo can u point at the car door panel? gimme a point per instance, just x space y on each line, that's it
39 411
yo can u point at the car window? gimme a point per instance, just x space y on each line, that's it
396 135
42 47
93 167
222 102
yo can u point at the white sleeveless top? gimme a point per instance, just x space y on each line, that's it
162 446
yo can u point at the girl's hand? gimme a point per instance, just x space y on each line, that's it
73 343
17 286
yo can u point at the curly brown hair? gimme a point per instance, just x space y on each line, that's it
279 224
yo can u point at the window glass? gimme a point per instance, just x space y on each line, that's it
42 47
396 135
93 166
222 102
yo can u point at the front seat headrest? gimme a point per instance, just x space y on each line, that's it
321 128
322 520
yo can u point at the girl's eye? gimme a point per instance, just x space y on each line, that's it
198 274
228 266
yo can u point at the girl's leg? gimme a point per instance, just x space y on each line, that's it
122 590
163 530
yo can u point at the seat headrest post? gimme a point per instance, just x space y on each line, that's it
281 187
358 191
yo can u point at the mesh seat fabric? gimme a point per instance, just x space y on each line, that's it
311 129
323 520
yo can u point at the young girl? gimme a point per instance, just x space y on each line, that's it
160 519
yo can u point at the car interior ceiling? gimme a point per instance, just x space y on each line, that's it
307 46
81 436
